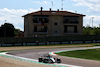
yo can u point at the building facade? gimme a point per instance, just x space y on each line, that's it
52 23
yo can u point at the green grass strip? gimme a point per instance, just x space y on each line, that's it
92 54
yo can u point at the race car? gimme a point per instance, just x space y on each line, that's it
49 59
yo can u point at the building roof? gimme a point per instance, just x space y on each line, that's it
61 13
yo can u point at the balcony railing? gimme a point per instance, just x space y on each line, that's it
41 32
74 32
70 33
43 22
71 22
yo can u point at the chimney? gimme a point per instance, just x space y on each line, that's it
50 10
41 9
58 10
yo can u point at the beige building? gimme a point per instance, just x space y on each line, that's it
52 23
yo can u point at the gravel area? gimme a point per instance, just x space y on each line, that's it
40 47
7 62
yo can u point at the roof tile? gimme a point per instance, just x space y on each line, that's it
64 13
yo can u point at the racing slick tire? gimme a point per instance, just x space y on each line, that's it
58 60
40 59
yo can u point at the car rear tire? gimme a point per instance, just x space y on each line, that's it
40 59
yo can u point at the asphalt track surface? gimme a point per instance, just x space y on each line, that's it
35 53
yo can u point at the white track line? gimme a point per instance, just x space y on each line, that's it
5 53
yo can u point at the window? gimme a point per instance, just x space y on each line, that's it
46 20
55 24
45 29
35 20
55 31
71 19
65 29
35 29
70 29
75 29
66 21
40 29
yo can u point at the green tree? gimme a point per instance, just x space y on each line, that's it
91 31
16 32
97 31
7 30
87 30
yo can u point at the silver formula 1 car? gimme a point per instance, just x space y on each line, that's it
49 59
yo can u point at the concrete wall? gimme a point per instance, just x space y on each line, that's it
55 29
80 25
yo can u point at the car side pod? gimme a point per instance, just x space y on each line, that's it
45 60
58 60
40 59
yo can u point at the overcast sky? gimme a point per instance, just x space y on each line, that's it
13 10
